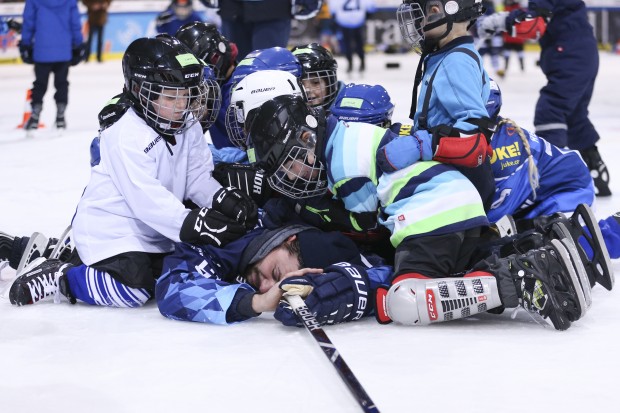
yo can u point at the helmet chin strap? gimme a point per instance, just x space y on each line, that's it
429 46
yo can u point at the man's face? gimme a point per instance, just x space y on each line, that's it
273 268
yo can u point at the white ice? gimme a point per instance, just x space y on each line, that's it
62 358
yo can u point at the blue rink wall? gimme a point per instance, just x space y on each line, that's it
381 30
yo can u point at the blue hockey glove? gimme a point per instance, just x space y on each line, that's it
404 151
336 296
237 205
26 53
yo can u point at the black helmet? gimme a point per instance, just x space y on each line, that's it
415 18
206 42
319 74
287 138
165 83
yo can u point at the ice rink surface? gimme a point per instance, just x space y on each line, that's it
62 358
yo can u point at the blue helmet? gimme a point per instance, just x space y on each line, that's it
273 58
494 103
364 103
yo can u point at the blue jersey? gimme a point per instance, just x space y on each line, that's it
460 88
426 198
563 177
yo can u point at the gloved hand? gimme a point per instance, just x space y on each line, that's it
209 226
233 203
338 295
305 9
327 213
404 151
25 51
247 178
488 26
78 54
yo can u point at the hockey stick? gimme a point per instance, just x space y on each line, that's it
299 306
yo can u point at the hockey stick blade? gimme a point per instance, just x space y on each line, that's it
299 306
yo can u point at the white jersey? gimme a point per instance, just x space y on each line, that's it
351 13
133 201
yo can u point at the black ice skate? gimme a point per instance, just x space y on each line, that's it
548 285
60 116
598 170
596 261
33 121
44 278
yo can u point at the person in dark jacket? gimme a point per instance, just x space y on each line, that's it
254 25
569 59
52 40
97 19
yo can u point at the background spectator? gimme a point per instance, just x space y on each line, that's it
97 19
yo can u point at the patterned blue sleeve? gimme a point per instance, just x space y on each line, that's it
191 288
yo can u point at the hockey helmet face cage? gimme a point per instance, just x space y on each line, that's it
206 42
364 103
419 20
287 139
273 58
165 83
213 99
252 91
494 103
319 77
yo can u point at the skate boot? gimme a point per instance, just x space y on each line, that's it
586 234
33 121
60 116
41 279
598 170
547 284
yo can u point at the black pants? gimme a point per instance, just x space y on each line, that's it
437 256
353 41
92 31
134 269
41 78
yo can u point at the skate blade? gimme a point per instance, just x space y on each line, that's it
567 259
35 248
65 243
600 264
580 271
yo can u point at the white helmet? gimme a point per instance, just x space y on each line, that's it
251 92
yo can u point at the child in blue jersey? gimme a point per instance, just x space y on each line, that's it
449 113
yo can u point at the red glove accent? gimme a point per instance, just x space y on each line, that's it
470 151
530 29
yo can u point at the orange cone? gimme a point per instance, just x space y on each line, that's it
28 111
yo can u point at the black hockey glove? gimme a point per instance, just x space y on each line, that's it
235 204
248 178
330 214
208 226
337 296
78 54
26 53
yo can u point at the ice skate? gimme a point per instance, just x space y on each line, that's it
32 124
598 170
586 234
547 284
60 122
41 279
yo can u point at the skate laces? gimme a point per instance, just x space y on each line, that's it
45 285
